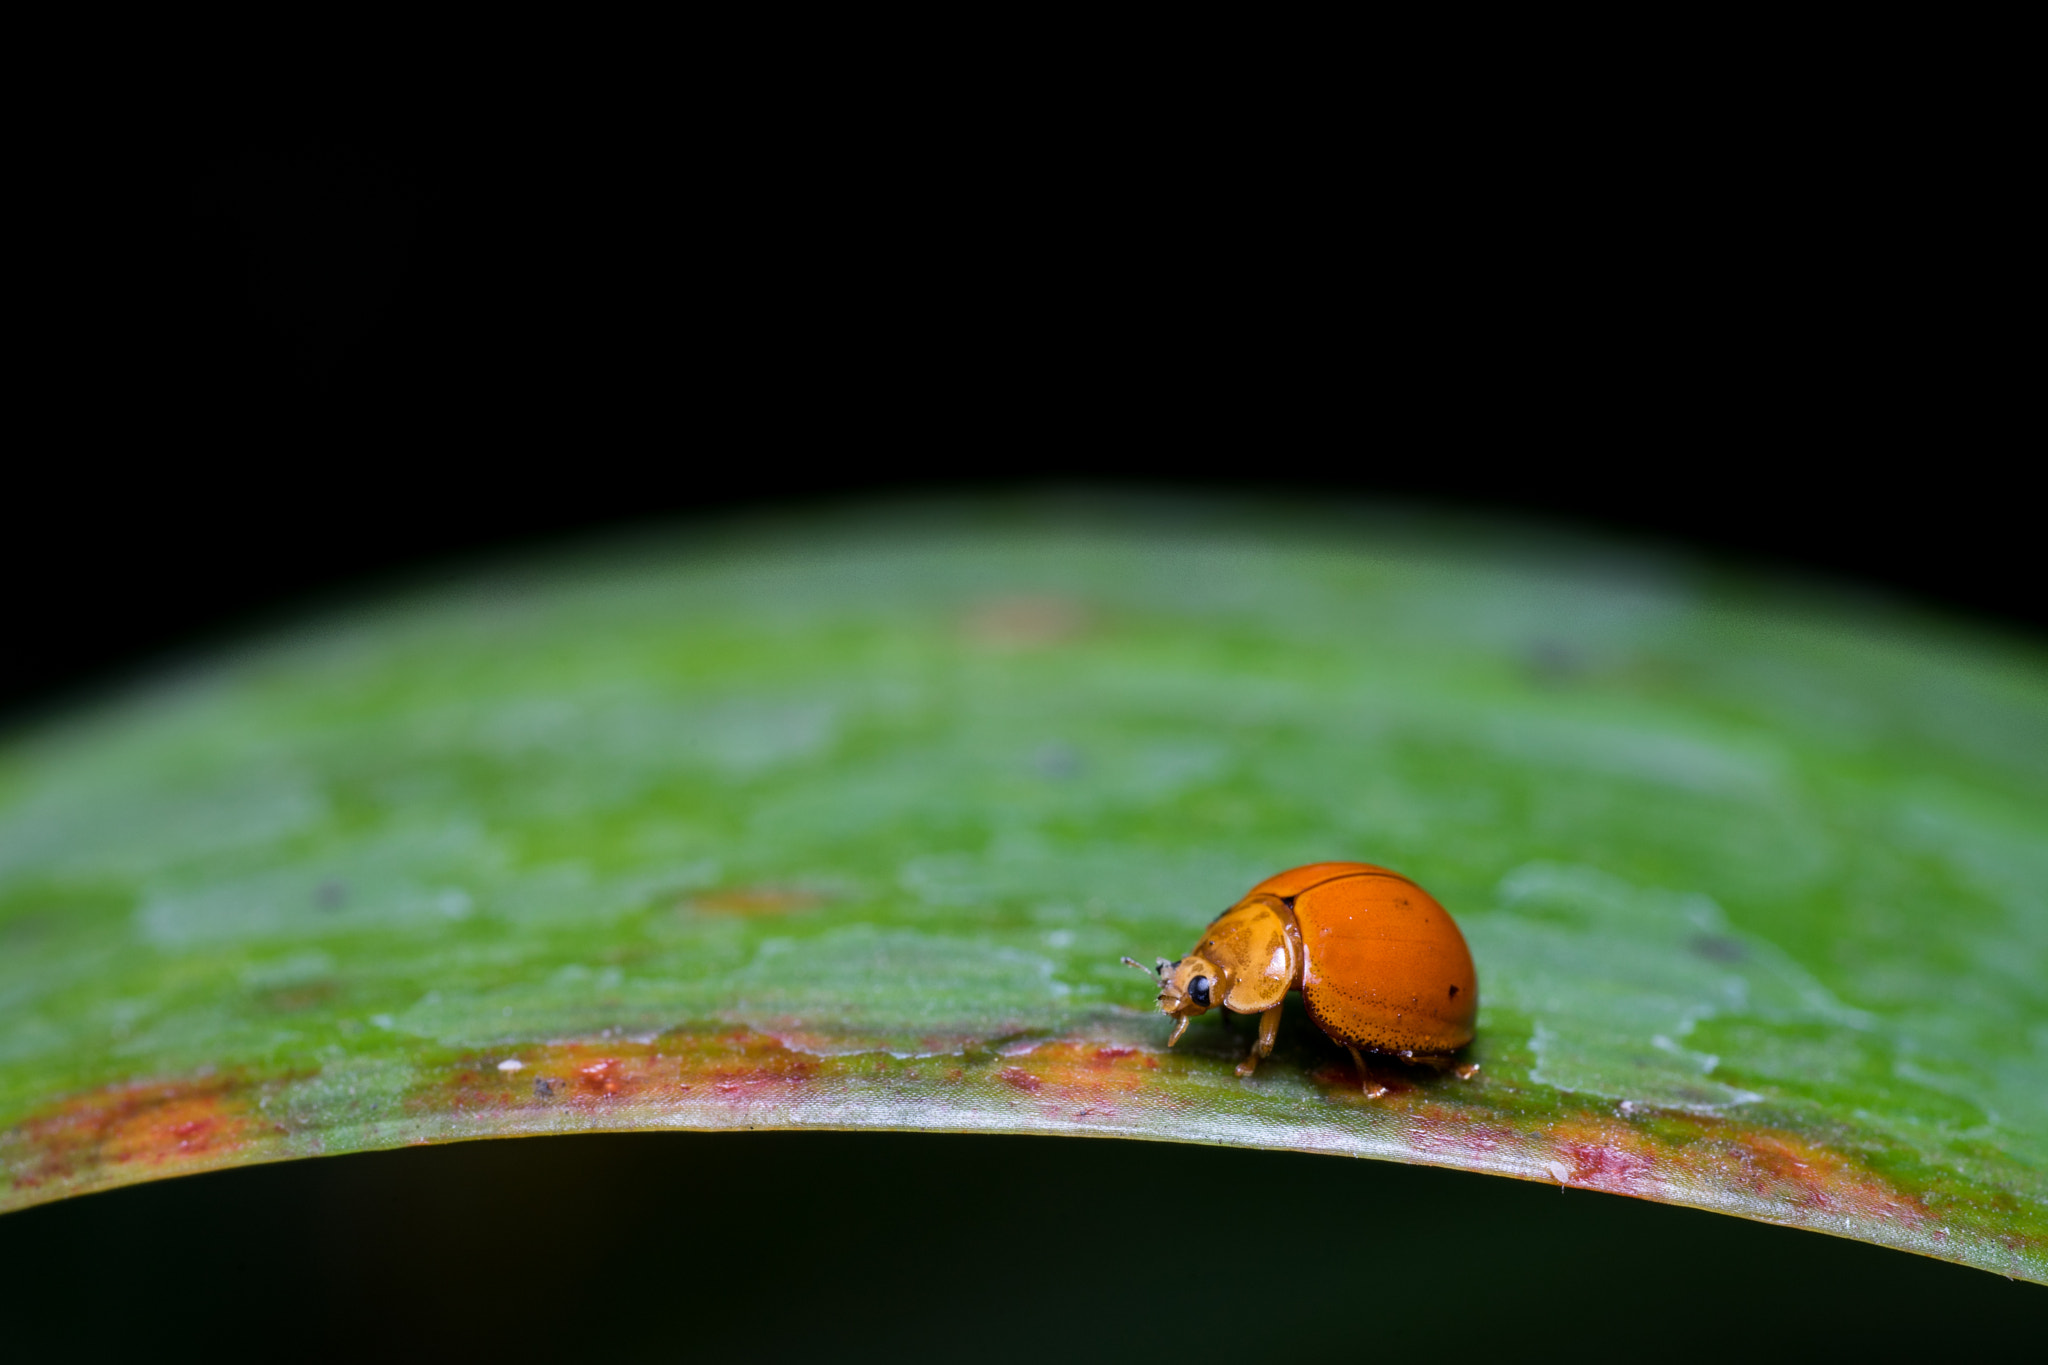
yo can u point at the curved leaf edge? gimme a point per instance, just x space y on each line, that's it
1101 1083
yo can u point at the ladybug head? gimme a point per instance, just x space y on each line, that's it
1187 988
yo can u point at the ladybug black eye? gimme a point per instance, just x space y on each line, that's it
1198 989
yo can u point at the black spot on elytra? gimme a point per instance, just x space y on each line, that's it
1454 992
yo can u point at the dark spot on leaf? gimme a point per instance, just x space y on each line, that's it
1057 760
543 1088
27 929
330 895
1554 664
304 996
1715 948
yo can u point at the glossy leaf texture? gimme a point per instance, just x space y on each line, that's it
845 823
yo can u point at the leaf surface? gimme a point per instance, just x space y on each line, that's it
845 824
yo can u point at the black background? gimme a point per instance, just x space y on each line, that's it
288 358
295 361
808 1246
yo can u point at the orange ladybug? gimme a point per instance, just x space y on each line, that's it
1381 966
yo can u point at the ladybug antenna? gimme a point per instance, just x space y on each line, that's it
1133 962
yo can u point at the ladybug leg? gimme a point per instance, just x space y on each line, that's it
1373 1090
1269 1029
1463 1071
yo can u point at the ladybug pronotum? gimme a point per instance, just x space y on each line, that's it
1380 965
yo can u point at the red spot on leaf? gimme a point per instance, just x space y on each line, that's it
1605 1167
1024 622
734 1064
109 1136
602 1078
754 902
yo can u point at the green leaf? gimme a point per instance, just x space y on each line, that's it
845 824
